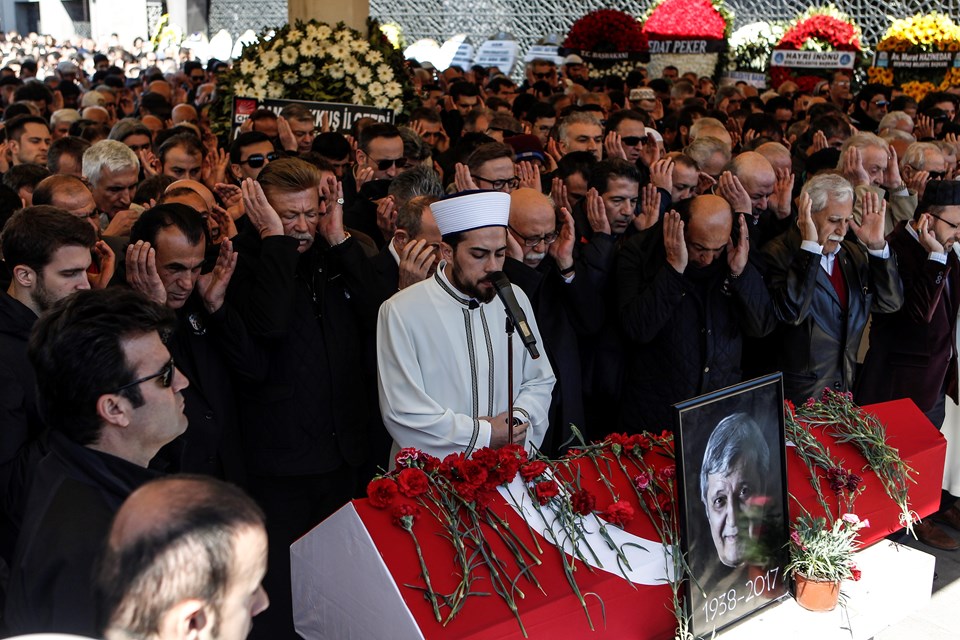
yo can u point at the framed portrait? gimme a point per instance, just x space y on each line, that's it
732 488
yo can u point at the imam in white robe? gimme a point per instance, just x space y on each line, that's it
442 364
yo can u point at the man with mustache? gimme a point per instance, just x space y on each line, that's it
824 286
442 349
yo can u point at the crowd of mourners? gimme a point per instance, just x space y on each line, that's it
174 302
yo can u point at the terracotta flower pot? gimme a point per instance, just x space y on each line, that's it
815 595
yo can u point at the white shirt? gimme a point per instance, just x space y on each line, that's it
827 261
441 365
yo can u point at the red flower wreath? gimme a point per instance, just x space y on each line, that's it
836 33
673 19
606 30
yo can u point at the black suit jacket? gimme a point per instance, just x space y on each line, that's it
913 352
387 268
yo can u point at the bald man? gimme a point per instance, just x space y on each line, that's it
687 296
751 186
569 308
185 558
185 113
97 114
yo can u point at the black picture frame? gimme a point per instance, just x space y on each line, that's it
734 522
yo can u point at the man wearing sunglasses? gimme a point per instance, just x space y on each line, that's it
870 105
922 161
626 133
250 153
379 160
112 397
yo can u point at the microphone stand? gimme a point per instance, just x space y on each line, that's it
510 329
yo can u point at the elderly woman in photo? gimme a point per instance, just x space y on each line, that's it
736 464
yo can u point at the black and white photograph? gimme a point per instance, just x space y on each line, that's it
730 456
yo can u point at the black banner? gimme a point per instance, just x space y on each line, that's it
342 116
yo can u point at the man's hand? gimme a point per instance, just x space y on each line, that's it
562 248
499 431
731 190
737 254
705 182
232 198
819 142
928 240
212 286
923 127
597 213
215 168
649 151
287 140
649 207
614 146
553 149
918 182
891 175
673 241
462 178
558 192
661 174
779 201
362 176
852 167
107 263
142 272
870 229
808 230
330 226
261 213
387 217
415 261
529 175
121 224
221 224
149 162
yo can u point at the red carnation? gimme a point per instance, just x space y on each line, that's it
430 463
532 469
382 492
413 482
583 502
619 513
856 573
668 473
642 481
545 491
406 457
404 515
486 457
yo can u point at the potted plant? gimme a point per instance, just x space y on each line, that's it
821 556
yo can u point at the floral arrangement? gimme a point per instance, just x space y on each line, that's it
314 61
934 32
751 44
825 553
607 31
458 490
836 413
688 20
816 29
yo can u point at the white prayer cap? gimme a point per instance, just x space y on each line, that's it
656 134
472 210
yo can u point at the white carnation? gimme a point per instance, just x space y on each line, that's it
363 76
373 57
392 89
290 77
289 55
335 71
307 69
375 89
384 73
247 67
270 60
274 90
381 102
350 65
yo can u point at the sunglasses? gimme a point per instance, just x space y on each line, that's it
544 76
165 375
384 165
938 175
881 103
632 141
257 160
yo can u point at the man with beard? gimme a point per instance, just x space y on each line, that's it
687 296
442 350
48 253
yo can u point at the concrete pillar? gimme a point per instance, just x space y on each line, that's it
353 12
190 15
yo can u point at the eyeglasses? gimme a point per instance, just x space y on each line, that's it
165 375
498 185
532 241
632 141
384 165
880 103
952 225
257 160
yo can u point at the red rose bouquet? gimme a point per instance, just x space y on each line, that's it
816 29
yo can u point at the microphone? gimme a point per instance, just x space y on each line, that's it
514 311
